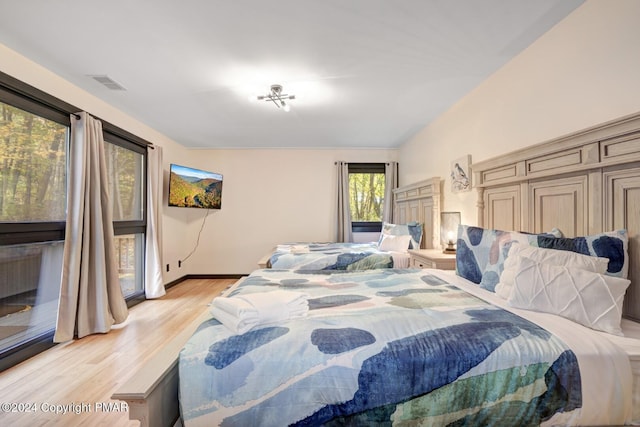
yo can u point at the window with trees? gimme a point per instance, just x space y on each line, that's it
366 195
33 154
126 172
34 145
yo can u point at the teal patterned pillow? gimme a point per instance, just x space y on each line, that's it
481 252
412 229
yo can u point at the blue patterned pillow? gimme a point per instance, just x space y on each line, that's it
412 229
481 252
612 245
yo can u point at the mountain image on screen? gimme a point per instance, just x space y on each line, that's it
193 188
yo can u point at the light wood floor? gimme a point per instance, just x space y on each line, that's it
83 374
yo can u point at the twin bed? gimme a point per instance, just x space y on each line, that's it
334 256
348 256
417 213
390 346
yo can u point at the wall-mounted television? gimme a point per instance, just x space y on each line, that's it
194 188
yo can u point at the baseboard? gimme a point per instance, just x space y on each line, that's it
203 276
216 276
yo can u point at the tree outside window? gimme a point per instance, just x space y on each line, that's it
366 196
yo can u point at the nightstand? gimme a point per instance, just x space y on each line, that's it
431 258
264 261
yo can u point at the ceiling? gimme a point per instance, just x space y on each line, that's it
365 73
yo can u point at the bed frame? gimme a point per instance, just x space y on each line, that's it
583 183
152 393
420 202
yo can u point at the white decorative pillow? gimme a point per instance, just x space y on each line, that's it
546 256
591 299
391 243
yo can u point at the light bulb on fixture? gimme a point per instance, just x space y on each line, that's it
449 222
276 96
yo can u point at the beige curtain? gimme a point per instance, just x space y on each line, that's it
153 283
91 300
344 212
390 183
111 151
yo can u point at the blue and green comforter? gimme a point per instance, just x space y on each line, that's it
330 256
378 347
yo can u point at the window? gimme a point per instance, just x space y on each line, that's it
126 172
34 142
130 256
33 155
366 194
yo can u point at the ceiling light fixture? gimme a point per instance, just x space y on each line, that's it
276 96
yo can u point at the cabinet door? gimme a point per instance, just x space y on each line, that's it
400 212
559 203
430 233
413 211
502 208
622 211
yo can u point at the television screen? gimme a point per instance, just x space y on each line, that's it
194 188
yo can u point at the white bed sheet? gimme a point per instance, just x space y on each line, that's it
598 356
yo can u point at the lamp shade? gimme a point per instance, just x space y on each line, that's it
449 222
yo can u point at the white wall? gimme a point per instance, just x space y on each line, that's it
269 197
583 72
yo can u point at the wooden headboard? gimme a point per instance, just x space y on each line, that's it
420 202
584 183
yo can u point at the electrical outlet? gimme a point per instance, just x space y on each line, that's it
167 268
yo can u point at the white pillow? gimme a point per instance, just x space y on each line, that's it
546 256
391 243
591 299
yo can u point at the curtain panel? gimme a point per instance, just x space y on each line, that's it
91 300
391 183
154 284
344 232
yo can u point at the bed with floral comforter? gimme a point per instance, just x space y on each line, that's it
394 347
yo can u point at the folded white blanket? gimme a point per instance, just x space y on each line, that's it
242 313
299 249
293 249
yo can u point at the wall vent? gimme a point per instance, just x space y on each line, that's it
108 82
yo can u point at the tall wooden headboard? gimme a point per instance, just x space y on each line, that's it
420 202
584 183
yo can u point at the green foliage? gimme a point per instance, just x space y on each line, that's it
124 174
33 159
366 194
33 167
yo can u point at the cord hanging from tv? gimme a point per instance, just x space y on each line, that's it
194 188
